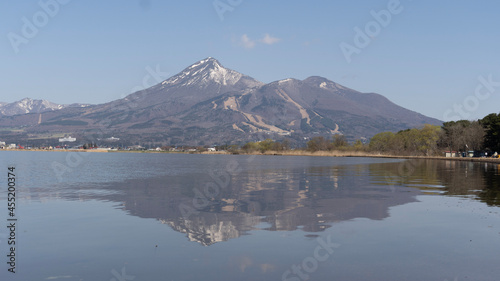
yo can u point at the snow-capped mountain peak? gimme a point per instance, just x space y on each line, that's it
203 73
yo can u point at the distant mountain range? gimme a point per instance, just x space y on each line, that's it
28 105
207 103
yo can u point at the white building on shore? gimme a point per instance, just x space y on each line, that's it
67 139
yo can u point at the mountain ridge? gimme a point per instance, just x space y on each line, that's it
207 103
28 105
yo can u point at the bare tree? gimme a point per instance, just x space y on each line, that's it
462 135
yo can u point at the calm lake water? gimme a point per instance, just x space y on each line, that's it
131 216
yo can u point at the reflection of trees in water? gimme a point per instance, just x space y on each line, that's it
491 192
420 173
454 178
461 178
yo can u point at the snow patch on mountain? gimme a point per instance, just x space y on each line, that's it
285 81
224 76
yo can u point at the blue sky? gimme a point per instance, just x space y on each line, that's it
428 57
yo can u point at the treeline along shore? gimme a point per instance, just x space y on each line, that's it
479 140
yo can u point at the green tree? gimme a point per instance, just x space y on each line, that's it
319 144
358 145
250 147
266 145
281 146
382 142
491 124
427 138
339 141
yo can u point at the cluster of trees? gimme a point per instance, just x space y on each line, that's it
421 141
462 135
266 145
90 145
459 136
339 142
415 141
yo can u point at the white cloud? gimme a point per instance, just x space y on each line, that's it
246 42
269 40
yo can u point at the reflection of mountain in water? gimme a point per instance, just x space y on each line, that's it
271 199
208 229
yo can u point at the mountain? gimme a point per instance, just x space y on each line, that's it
197 83
28 105
207 103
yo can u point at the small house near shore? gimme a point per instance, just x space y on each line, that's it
452 154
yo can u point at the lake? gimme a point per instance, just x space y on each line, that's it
142 216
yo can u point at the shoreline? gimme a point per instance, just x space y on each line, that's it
283 153
374 155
